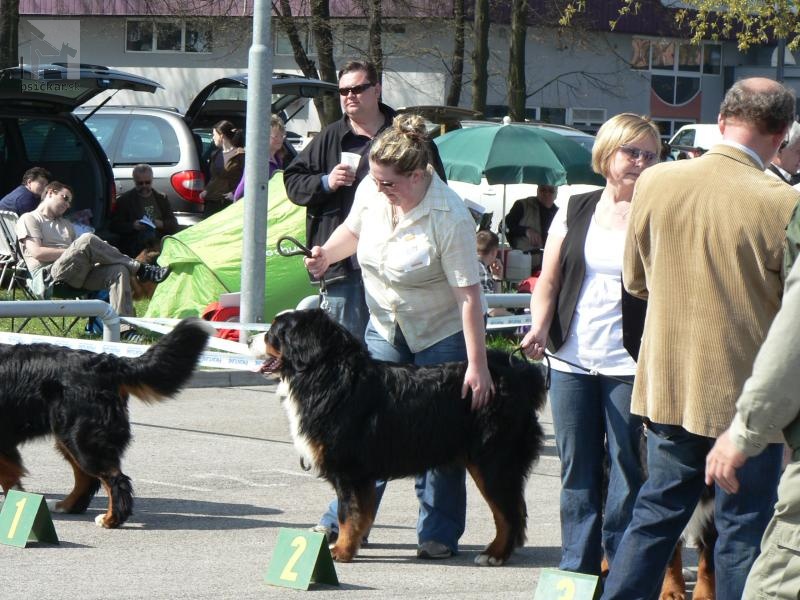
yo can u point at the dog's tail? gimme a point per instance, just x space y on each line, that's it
166 367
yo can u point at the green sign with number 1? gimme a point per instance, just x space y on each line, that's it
25 517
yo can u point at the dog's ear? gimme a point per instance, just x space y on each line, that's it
297 336
310 337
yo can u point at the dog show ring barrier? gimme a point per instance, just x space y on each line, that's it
492 300
234 355
66 308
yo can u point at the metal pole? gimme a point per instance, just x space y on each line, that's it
256 167
781 57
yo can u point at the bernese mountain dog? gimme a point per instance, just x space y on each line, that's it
81 398
356 420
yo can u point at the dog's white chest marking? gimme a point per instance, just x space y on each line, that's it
301 442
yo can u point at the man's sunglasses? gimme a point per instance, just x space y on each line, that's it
356 89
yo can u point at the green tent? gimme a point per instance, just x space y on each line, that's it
206 260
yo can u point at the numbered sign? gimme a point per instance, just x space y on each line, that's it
25 517
563 585
301 557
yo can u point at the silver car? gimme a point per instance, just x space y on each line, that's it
177 146
159 137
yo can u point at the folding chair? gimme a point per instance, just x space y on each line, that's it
8 260
21 279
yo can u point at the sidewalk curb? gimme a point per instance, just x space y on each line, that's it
204 378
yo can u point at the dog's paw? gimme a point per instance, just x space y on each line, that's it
485 560
105 522
672 594
340 554
54 506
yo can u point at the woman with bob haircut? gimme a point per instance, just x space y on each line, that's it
577 312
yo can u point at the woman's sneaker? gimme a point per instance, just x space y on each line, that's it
433 550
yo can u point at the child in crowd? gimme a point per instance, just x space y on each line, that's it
490 269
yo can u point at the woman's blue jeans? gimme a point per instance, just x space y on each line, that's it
593 423
441 492
676 462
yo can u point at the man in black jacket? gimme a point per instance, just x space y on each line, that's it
319 179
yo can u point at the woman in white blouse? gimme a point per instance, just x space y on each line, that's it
415 242
577 306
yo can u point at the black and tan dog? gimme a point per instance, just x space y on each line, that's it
357 420
81 398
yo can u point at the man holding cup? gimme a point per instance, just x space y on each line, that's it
324 177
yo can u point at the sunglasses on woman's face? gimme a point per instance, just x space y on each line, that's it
635 154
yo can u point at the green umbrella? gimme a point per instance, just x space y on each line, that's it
514 153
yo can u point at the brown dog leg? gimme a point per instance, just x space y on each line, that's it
11 471
120 500
356 515
84 489
501 547
705 588
674 586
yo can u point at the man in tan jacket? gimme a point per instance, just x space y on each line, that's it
705 248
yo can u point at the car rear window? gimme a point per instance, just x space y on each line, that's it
104 128
50 141
148 140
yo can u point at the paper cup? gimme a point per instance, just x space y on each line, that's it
351 159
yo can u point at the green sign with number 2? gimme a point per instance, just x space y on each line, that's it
300 557
25 517
563 585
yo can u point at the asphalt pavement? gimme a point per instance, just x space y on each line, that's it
215 477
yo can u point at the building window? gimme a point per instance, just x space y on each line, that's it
555 115
587 119
675 67
668 127
660 55
146 35
712 59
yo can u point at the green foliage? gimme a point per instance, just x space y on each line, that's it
507 342
749 22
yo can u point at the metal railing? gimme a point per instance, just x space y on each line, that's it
65 308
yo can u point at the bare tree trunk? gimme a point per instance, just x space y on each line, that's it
323 39
480 56
375 51
457 66
516 60
286 22
328 107
9 26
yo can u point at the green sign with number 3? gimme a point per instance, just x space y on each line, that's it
563 585
300 557
25 517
